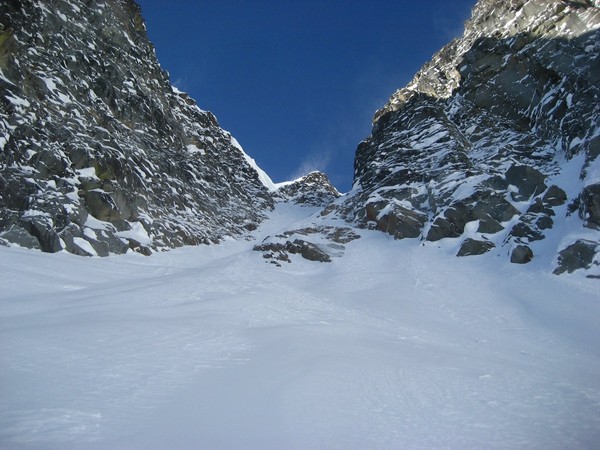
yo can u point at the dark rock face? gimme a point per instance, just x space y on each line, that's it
579 255
394 219
474 247
316 243
279 252
99 154
484 131
527 180
590 206
521 254
314 189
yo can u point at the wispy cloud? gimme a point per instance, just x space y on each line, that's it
333 151
188 78
318 159
180 84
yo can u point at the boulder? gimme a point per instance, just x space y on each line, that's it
41 228
486 205
308 250
528 180
20 237
102 206
590 206
554 196
452 224
521 254
396 220
489 225
280 250
330 243
576 256
474 247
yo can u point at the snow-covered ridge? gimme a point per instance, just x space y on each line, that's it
262 175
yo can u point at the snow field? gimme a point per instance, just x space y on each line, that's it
391 346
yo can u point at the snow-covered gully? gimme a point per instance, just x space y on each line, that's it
390 346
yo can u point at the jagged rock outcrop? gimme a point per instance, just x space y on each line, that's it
99 153
579 255
315 243
495 140
313 189
318 242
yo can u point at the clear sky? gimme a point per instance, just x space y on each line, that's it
297 82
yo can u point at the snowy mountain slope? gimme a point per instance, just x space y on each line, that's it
475 148
391 346
316 240
99 153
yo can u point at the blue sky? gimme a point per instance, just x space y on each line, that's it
297 82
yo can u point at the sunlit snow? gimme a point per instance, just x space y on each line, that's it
391 346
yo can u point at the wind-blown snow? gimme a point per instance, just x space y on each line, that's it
391 346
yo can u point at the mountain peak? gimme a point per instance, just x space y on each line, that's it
313 189
519 21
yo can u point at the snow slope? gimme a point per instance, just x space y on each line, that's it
391 346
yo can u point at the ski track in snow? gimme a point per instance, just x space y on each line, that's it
391 346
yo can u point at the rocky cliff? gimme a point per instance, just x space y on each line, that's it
99 153
493 146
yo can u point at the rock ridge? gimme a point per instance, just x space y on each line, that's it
494 143
100 154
